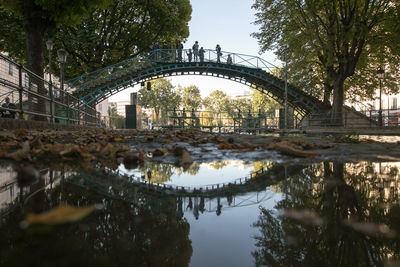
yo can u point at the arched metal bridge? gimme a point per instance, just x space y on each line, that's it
253 71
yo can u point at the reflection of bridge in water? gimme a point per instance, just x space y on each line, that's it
246 191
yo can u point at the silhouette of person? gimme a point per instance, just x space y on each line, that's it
219 54
201 54
229 59
165 52
196 208
190 204
219 207
195 48
8 113
189 55
201 206
180 48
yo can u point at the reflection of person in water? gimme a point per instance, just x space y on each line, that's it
219 207
190 204
196 208
179 208
201 207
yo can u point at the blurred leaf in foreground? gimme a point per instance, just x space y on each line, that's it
61 214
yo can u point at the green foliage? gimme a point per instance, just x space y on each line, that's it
337 39
114 119
125 29
161 97
262 102
191 98
242 104
217 101
96 33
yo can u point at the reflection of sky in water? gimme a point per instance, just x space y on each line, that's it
226 240
207 173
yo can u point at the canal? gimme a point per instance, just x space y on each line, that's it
230 212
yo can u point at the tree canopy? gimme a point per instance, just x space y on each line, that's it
162 96
191 98
333 36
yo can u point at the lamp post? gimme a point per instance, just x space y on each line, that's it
62 58
381 74
49 45
286 89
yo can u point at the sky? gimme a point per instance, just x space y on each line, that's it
224 22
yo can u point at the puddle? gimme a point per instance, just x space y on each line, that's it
226 213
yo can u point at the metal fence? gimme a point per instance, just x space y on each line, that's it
33 98
217 121
355 119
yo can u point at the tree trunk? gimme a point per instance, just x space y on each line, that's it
327 94
338 100
35 28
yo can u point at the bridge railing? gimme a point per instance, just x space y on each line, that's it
162 56
234 121
34 98
355 119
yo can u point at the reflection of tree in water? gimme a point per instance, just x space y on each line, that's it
152 233
336 193
161 172
218 165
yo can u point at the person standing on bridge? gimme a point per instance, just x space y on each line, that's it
219 53
180 48
201 54
229 59
195 48
189 55
164 53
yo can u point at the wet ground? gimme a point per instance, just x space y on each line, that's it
194 199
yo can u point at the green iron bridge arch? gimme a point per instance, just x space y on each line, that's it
253 71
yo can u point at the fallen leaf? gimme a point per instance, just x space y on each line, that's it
291 151
20 132
186 159
59 215
22 153
304 216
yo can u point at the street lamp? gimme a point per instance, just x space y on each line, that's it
381 74
62 58
286 90
49 45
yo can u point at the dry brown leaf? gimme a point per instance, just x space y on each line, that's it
186 159
20 132
286 149
22 153
59 215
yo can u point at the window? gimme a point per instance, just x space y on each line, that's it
26 81
10 69
394 103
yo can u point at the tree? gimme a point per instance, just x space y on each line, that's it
115 120
217 101
262 102
336 33
161 97
191 98
124 30
105 36
38 17
242 104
